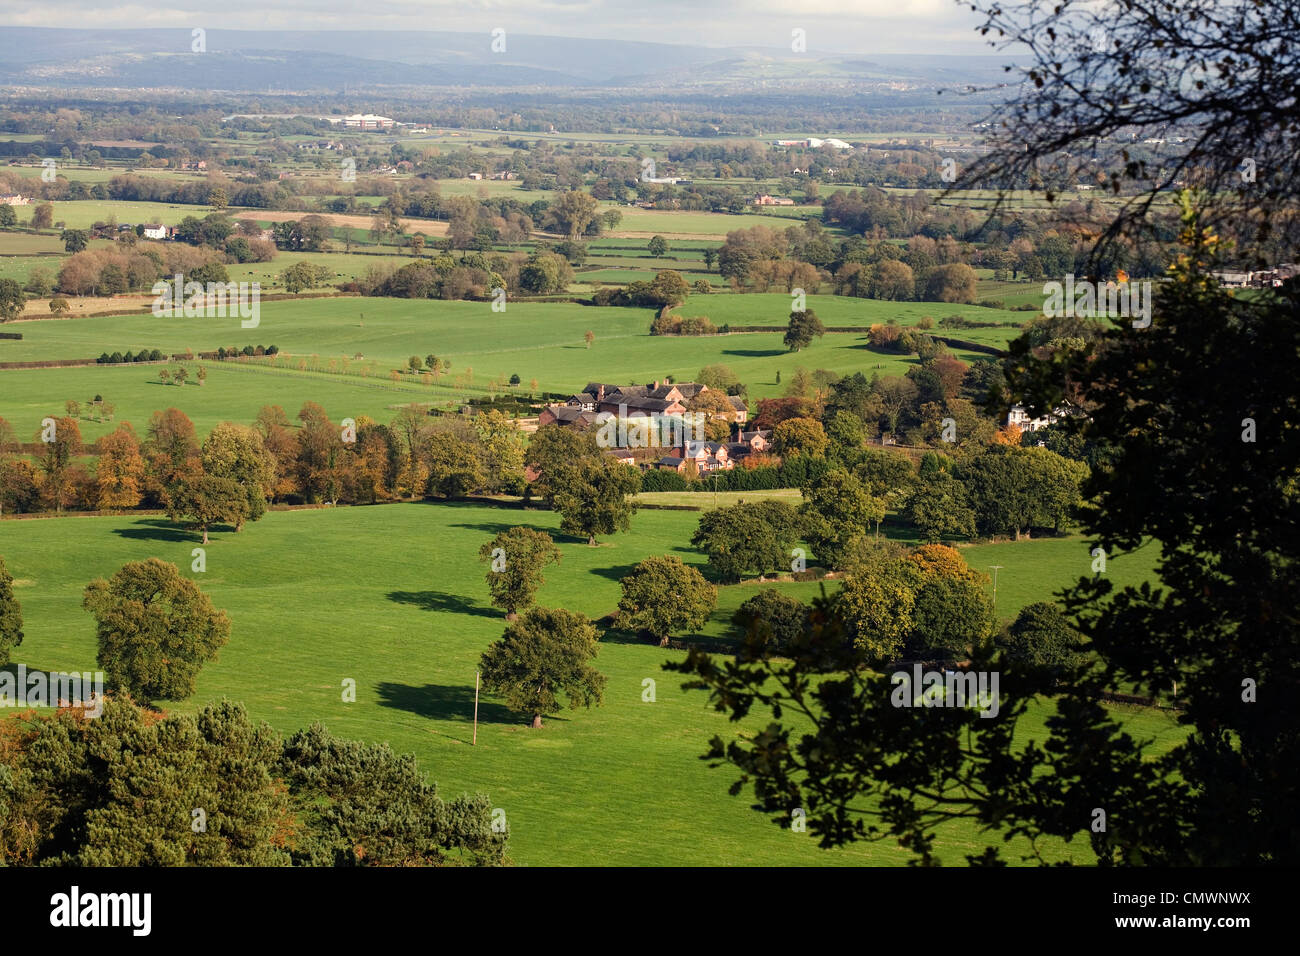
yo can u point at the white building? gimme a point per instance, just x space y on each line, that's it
154 231
364 121
1019 417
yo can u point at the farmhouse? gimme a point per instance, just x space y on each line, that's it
14 200
154 230
660 398
766 200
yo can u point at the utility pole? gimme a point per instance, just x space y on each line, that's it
474 742
995 568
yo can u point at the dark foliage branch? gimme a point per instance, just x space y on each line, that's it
1099 78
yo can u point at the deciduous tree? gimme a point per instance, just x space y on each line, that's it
156 629
544 655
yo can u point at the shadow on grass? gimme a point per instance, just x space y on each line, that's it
755 353
444 702
493 528
441 601
616 573
156 529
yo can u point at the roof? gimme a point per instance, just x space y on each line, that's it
570 414
671 460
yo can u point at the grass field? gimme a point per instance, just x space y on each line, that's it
669 222
83 213
534 340
620 784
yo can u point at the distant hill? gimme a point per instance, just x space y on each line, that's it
251 61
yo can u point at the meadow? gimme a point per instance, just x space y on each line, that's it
619 784
542 341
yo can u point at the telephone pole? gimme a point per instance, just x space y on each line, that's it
995 568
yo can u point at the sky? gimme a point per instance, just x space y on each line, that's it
830 26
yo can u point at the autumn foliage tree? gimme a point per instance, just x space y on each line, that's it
120 470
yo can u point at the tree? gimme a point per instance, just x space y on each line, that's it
662 595
955 282
12 300
836 509
657 246
217 198
551 448
43 216
54 459
937 507
119 471
545 273
543 656
8 218
301 276
776 619
59 306
893 280
515 560
170 446
950 615
877 603
710 257
803 327
11 615
719 378
748 538
1011 489
156 629
454 469
237 452
200 501
572 212
799 436
74 240
347 803
593 496
1041 637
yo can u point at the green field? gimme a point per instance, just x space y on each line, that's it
534 340
232 393
670 221
620 784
